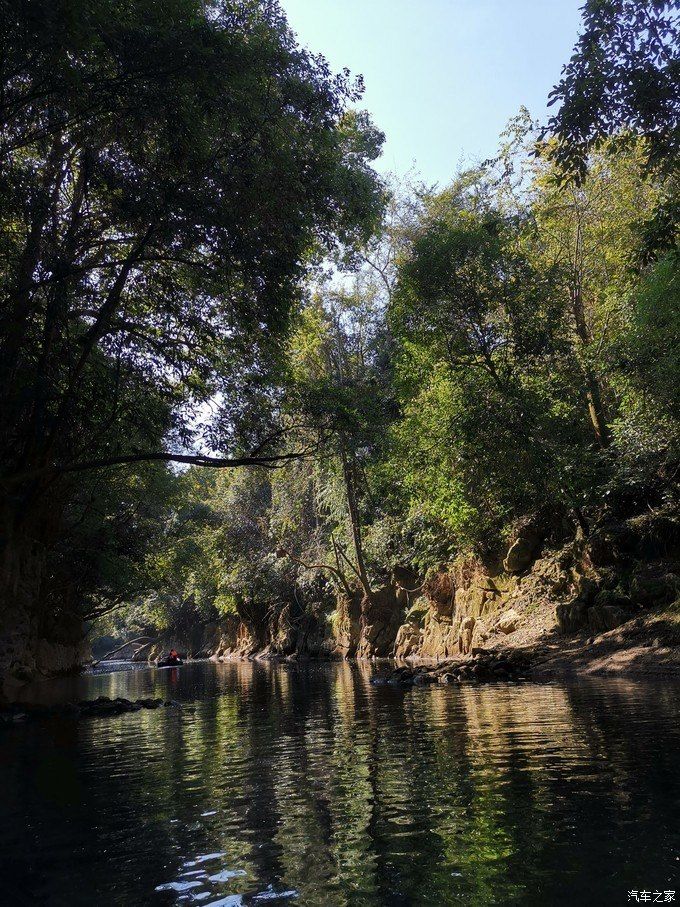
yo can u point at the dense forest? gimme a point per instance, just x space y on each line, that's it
244 375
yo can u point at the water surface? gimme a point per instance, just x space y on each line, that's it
305 785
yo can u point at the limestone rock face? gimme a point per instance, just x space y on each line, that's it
347 626
381 618
480 634
606 617
456 611
509 621
440 639
571 616
465 635
28 651
408 640
521 552
314 636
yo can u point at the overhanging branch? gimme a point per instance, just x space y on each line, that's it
268 462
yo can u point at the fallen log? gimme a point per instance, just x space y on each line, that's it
130 642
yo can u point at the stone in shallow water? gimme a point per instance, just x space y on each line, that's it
423 678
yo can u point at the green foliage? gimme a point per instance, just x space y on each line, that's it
623 76
493 412
169 172
174 177
445 386
645 360
182 165
652 340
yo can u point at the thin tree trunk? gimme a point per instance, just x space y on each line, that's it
593 391
355 523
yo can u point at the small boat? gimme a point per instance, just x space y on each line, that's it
169 662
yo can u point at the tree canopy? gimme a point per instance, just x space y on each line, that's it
169 173
198 264
624 75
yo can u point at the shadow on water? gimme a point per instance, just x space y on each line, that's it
305 784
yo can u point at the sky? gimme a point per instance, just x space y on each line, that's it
443 77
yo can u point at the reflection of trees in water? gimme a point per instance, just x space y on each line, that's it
381 795
354 794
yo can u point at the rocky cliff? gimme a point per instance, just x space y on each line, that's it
533 596
30 647
532 593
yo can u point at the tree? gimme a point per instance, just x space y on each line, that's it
168 173
489 383
644 359
624 76
340 386
590 234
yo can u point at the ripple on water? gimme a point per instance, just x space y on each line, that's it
311 784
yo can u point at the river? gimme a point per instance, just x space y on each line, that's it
306 785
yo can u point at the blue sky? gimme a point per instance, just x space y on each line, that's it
443 77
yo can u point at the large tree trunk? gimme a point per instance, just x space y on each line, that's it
34 638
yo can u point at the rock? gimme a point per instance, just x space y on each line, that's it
407 641
509 621
654 586
521 553
465 634
101 707
485 667
606 617
611 598
517 657
424 678
571 616
480 634
401 676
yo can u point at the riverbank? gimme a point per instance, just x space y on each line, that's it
608 603
645 647
605 604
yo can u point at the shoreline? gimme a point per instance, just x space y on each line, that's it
647 646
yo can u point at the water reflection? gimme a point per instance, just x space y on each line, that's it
305 784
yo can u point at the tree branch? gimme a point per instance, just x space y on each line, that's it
269 462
